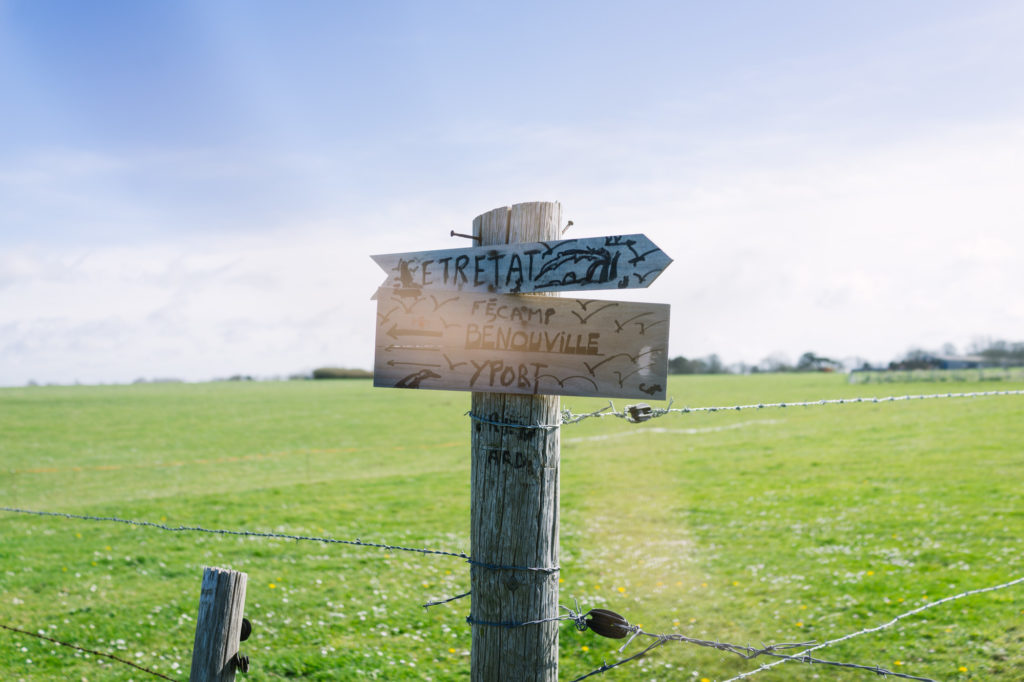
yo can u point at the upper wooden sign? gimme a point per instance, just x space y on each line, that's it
625 262
521 344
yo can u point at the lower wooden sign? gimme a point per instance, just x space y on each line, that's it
520 344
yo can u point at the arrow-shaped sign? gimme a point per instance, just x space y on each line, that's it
624 262
523 344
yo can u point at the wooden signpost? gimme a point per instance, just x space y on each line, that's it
449 320
629 261
521 344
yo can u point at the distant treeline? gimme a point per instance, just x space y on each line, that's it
980 355
341 373
712 364
1002 353
987 353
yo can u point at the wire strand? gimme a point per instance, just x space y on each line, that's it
890 623
282 536
570 417
88 651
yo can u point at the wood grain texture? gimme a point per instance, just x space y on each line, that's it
218 625
630 261
514 505
521 344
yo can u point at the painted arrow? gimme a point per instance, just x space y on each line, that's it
501 343
622 262
396 333
395 363
422 349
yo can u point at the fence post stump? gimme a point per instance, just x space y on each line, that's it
218 626
514 502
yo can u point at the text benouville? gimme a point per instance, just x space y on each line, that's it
491 336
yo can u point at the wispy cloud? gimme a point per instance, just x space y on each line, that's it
844 191
194 309
864 253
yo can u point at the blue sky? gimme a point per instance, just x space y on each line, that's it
193 189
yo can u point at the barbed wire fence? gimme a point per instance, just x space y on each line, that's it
603 622
865 631
643 412
92 652
894 376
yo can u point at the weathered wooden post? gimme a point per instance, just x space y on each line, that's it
450 320
218 626
514 501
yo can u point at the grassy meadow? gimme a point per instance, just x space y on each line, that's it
750 527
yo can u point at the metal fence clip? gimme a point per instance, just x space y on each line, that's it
608 623
640 412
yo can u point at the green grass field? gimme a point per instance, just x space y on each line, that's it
751 527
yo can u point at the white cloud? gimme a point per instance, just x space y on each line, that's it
195 309
837 250
863 254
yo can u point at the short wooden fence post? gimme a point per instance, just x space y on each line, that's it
218 626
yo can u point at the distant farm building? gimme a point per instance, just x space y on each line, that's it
929 361
958 362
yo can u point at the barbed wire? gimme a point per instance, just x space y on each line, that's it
610 624
574 615
88 651
632 414
643 412
283 536
772 650
509 624
890 623
221 531
492 422
446 601
889 376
